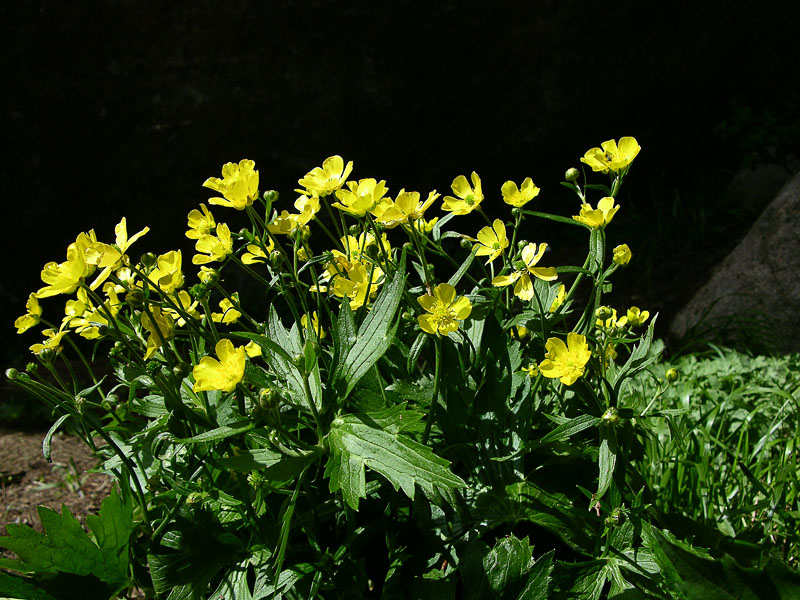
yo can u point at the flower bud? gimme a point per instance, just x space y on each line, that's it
305 233
604 313
271 196
267 399
32 367
47 355
407 316
572 174
617 517
275 258
148 259
521 244
611 416
465 243
80 401
12 374
135 298
622 255
671 375
516 212
354 229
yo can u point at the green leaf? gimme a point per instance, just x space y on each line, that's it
538 585
569 428
708 579
220 433
49 436
640 358
596 248
18 588
374 336
507 562
456 277
66 548
357 441
607 460
273 466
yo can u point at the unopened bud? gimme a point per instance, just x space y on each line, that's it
516 212
617 517
148 259
12 374
611 416
465 243
271 196
671 375
572 174
604 313
135 298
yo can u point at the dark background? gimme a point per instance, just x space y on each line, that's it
124 108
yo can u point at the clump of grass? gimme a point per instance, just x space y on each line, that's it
725 452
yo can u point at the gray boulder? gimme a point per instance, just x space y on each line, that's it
755 290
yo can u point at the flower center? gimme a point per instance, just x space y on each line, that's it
444 317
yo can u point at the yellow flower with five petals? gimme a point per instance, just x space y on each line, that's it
523 288
612 156
328 178
32 317
597 217
468 198
214 247
492 241
360 198
519 196
565 362
238 186
444 310
222 374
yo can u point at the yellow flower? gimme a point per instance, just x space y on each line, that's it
229 313
255 254
214 247
559 299
522 332
189 306
31 318
565 361
159 328
52 341
519 196
599 217
492 241
328 178
622 255
524 285
206 274
612 157
252 349
222 374
287 223
468 197
239 185
361 197
308 206
314 326
167 274
108 257
532 370
637 317
200 223
427 226
64 278
444 309
406 207
360 283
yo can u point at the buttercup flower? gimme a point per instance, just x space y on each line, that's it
445 310
222 374
159 328
559 299
360 283
252 349
31 318
565 362
64 278
492 241
519 196
314 325
229 313
214 247
405 208
239 185
109 257
622 255
607 318
255 254
468 197
524 285
532 370
328 178
52 341
200 223
637 317
599 217
167 274
612 157
360 198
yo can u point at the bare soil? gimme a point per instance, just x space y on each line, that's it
27 480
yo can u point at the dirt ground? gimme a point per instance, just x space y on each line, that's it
27 480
